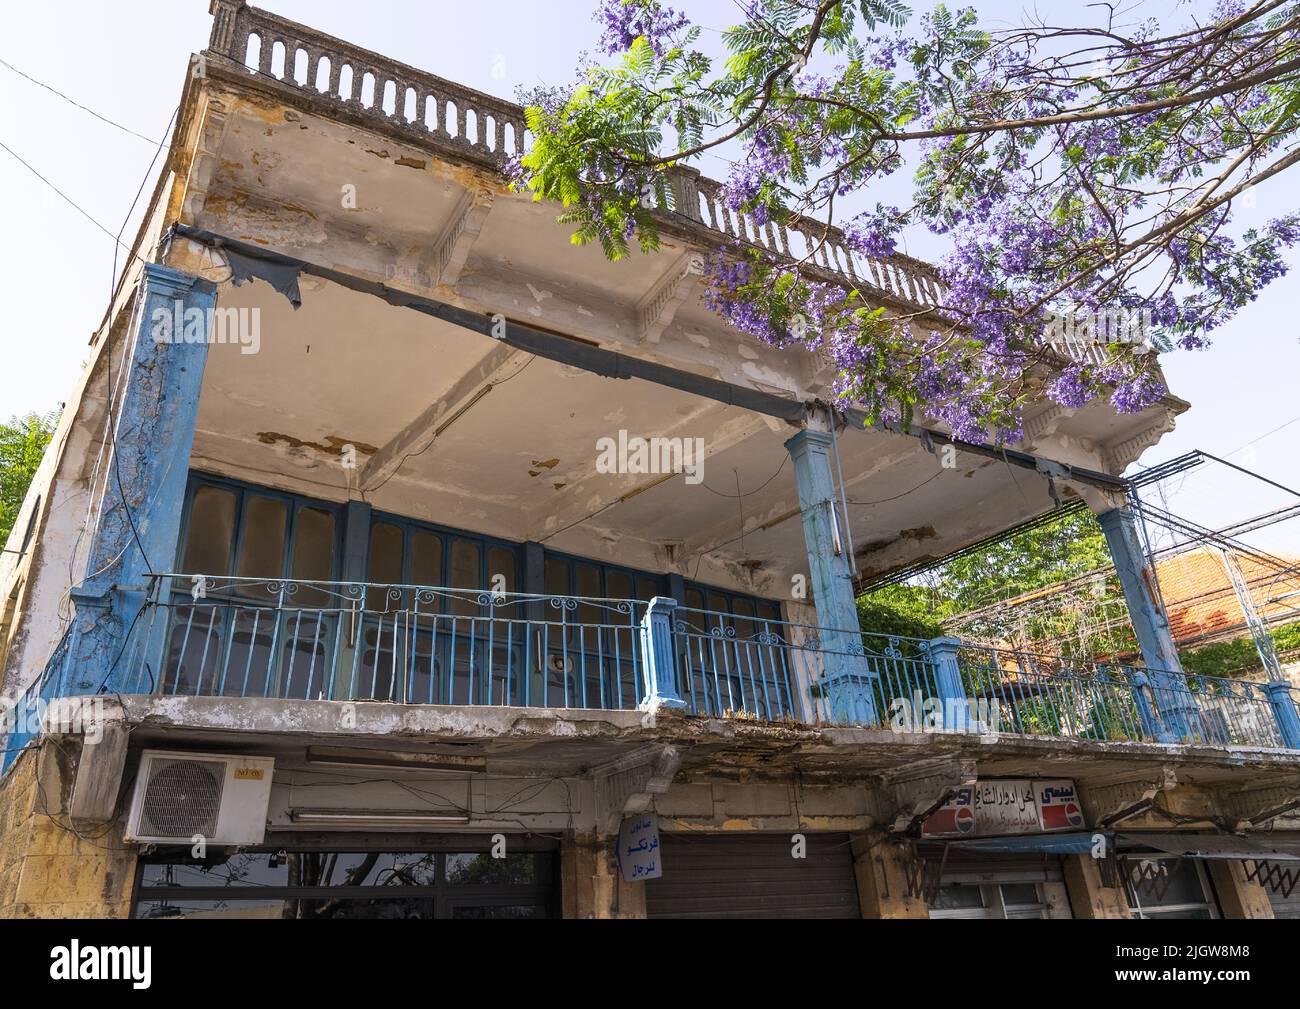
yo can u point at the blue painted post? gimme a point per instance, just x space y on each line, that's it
659 656
1147 717
848 680
139 512
1173 702
356 541
948 685
1284 710
534 579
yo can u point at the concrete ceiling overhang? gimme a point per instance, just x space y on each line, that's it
449 426
272 169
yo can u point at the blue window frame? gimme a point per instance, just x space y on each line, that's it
259 629
722 665
591 658
422 644
422 624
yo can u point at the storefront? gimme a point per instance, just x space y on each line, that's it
995 849
1169 875
759 876
983 884
348 881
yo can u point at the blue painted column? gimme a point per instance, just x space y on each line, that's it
1174 705
659 655
949 687
143 493
534 580
1284 711
356 542
847 680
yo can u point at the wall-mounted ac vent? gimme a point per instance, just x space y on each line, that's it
182 796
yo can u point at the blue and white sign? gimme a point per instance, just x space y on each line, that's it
638 848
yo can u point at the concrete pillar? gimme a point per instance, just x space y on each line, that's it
880 867
534 582
356 542
1238 896
948 684
143 495
1284 713
1089 896
1173 703
659 656
591 885
848 682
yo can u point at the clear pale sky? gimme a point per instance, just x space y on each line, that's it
127 62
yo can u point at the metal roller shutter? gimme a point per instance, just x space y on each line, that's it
708 876
1285 907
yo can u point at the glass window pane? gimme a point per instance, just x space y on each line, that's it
426 559
465 574
385 566
557 577
648 588
313 545
481 869
957 895
211 531
261 551
718 604
1019 894
501 561
587 578
619 585
744 628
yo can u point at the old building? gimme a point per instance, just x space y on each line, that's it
346 571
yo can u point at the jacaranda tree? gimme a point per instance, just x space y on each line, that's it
1073 171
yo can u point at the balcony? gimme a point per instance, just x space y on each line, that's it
427 645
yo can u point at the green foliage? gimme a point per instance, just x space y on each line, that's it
898 611
1224 658
1062 548
22 445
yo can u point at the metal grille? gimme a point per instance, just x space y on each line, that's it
182 799
754 877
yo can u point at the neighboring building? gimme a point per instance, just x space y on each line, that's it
344 604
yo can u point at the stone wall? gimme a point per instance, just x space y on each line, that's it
48 869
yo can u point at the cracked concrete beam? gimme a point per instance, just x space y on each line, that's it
500 363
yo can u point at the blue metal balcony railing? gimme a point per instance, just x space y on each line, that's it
1049 695
418 644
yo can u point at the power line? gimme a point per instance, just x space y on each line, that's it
72 101
68 199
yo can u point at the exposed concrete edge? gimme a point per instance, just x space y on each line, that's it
372 719
1008 743
417 722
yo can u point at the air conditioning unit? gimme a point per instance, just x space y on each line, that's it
182 796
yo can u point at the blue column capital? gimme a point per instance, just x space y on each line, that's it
806 440
165 280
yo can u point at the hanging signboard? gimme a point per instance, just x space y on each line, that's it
638 848
1007 806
